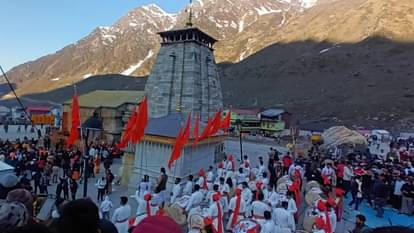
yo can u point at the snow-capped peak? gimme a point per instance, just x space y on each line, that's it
302 3
155 10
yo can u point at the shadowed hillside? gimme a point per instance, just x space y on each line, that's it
370 83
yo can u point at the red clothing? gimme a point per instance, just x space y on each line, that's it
287 161
340 170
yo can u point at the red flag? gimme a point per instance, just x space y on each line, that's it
74 130
206 131
216 124
225 125
196 129
127 133
141 122
181 140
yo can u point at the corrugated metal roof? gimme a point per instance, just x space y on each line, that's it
108 99
273 112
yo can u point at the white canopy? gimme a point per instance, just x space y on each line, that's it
340 135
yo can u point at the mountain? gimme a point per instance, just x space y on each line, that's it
129 45
344 61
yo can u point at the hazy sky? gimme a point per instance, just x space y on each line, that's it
33 28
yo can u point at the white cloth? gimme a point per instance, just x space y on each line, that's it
188 188
213 213
195 200
106 205
120 218
332 218
232 207
348 173
397 187
101 184
144 188
200 182
268 226
258 209
327 171
241 177
282 218
247 195
271 198
176 192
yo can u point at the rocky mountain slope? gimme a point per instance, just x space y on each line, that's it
129 46
347 61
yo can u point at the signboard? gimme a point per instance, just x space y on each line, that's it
43 119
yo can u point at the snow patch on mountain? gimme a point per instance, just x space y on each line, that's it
85 76
133 68
264 11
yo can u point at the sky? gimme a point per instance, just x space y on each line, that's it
30 29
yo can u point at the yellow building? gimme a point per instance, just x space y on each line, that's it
113 108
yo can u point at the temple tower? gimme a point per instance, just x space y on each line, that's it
185 77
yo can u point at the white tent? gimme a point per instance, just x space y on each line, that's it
340 135
5 169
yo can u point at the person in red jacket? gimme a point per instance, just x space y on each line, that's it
287 161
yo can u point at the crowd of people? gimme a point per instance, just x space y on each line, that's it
272 193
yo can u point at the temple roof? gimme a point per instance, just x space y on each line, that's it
187 34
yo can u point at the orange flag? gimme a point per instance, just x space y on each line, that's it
74 130
206 131
141 122
127 134
196 129
216 125
181 140
225 125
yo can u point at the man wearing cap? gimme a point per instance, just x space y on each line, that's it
121 216
237 208
8 183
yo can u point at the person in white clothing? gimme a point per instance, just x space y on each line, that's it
259 208
331 213
188 188
236 214
247 193
241 176
210 178
220 170
106 207
216 213
270 196
144 186
121 216
195 199
229 167
292 208
262 168
176 191
146 207
268 226
282 218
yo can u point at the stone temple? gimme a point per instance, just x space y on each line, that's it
185 77
184 80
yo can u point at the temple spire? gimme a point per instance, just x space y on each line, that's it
190 15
